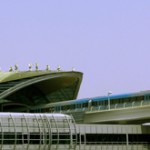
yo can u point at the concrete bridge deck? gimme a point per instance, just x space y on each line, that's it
133 115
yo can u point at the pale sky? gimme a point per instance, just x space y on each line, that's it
107 40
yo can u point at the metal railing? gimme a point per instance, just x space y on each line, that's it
124 105
115 106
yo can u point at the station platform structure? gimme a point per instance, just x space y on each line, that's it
82 129
45 131
126 115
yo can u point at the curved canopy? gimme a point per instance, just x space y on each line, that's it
33 88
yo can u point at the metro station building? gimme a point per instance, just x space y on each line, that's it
21 129
25 89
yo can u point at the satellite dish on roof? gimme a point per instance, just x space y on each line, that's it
47 67
73 68
30 67
36 67
58 68
16 67
10 69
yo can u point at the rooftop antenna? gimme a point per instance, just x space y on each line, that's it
109 93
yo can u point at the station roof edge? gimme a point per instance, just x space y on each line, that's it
17 75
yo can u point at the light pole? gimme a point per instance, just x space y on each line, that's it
109 93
